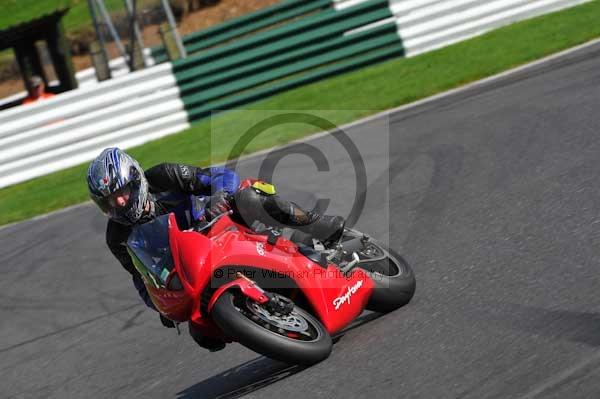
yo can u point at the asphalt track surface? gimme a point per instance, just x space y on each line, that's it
493 197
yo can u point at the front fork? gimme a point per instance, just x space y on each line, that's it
276 304
247 287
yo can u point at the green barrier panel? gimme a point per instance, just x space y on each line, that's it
216 39
245 24
282 72
257 16
216 64
228 75
288 30
373 57
304 50
291 29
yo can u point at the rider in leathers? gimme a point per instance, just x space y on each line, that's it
130 196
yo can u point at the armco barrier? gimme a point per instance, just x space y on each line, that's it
425 25
73 127
87 77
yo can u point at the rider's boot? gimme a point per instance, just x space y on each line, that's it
322 227
212 344
272 210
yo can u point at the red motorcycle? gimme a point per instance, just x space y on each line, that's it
260 288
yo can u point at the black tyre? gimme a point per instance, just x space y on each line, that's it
298 338
393 277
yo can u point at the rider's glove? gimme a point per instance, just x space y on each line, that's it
216 204
166 322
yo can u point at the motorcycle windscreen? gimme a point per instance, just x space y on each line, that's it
150 251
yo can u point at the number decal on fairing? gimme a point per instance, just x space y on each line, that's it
260 248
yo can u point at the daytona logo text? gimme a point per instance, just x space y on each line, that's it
339 301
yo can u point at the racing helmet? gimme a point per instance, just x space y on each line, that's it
115 174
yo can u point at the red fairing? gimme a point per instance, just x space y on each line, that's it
175 305
321 286
335 299
338 299
191 255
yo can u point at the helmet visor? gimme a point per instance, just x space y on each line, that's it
122 204
120 198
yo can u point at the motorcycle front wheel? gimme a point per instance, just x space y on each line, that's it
297 338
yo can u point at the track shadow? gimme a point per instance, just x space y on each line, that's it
571 325
559 324
255 374
239 381
364 318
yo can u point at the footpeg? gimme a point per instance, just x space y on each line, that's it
318 245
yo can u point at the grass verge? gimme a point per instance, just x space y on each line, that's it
383 86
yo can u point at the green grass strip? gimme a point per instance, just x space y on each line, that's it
379 87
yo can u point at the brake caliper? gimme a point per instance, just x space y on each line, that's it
278 305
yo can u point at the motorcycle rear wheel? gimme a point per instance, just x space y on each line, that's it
298 338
